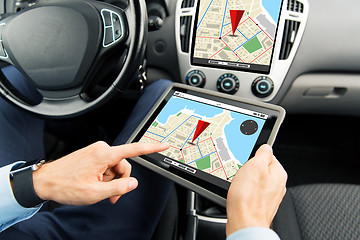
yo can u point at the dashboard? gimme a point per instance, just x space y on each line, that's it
294 53
246 64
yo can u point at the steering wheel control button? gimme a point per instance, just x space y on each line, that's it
113 27
107 18
196 78
2 25
108 36
262 87
117 26
228 83
3 54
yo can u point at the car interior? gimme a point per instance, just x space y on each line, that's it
312 71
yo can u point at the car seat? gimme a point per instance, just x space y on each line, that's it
319 211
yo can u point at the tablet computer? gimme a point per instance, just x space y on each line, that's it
211 136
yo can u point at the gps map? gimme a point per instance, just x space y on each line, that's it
207 135
236 34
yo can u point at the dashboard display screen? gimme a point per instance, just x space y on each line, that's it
237 35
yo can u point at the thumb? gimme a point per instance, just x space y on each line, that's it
118 187
264 153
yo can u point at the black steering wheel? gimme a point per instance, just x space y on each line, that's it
77 53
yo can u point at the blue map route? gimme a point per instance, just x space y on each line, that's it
205 13
222 24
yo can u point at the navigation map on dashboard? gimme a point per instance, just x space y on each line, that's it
207 135
236 34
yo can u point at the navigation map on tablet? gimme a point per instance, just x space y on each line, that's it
207 135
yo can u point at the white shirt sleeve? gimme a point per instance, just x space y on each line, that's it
11 211
255 233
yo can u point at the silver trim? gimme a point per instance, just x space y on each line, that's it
192 212
6 54
1 42
212 219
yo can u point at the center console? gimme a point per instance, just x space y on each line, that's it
243 48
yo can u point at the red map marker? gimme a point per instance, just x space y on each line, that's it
235 16
201 126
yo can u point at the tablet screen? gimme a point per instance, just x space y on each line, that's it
206 135
210 136
236 35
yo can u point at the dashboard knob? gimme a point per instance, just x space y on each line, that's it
262 87
228 83
196 78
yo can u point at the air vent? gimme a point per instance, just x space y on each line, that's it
295 6
185 28
290 31
187 3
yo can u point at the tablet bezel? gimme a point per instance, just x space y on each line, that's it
215 188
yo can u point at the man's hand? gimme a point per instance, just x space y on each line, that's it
256 192
91 174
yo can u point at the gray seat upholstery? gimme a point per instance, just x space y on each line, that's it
319 211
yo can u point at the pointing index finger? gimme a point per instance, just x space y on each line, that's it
136 149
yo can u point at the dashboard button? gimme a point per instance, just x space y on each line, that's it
262 87
228 83
196 78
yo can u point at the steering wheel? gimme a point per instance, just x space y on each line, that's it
66 48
